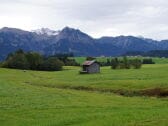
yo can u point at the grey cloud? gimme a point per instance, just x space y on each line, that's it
96 17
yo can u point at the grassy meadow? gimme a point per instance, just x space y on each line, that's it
66 98
104 59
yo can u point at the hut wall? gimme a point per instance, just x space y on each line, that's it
94 68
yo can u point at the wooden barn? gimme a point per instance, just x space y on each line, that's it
90 67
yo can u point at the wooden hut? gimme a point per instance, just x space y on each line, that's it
90 67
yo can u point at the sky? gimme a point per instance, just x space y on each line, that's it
147 18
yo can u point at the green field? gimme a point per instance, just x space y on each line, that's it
66 98
104 59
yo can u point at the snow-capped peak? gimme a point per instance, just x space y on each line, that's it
46 31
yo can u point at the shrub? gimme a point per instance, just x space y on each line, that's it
126 63
1 64
136 63
51 64
114 63
148 61
17 61
34 59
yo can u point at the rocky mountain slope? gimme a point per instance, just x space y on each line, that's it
50 42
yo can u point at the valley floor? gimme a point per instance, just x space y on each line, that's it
29 98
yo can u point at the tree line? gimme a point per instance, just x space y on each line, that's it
126 63
35 61
152 53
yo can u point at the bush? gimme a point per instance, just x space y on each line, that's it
66 60
1 64
71 62
51 64
114 63
148 61
34 59
136 63
17 61
126 63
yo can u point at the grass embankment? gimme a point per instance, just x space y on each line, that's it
35 98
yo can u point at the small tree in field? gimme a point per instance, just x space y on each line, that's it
136 63
34 59
114 63
17 61
148 61
126 63
52 64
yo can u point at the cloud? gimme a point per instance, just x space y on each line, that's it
96 17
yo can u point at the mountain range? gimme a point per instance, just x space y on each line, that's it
50 42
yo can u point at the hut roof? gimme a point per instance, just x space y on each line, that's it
88 63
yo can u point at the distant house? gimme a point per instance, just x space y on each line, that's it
90 67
